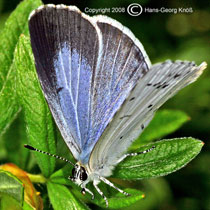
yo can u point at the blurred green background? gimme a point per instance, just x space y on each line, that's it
183 36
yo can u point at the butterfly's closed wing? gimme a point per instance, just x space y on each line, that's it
65 61
122 63
160 83
86 72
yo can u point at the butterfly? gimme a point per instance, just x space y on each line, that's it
100 86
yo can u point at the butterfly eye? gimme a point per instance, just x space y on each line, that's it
83 174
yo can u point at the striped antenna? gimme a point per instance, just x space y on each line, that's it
47 153
145 151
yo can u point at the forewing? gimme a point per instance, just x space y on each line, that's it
66 58
161 82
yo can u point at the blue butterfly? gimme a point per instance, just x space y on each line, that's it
100 86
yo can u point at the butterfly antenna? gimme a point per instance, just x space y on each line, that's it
47 153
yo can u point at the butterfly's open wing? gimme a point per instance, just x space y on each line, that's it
86 71
160 83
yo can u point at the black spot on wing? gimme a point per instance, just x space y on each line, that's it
176 75
157 84
187 72
149 106
59 89
165 86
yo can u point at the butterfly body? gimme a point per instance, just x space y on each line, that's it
100 86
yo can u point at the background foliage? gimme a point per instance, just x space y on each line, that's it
164 35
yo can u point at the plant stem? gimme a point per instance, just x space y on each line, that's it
37 178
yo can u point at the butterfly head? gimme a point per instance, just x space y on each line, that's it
79 174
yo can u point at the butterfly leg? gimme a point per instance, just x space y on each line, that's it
95 184
134 154
112 185
84 190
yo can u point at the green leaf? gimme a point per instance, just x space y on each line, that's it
11 186
9 107
61 176
118 200
14 26
39 121
9 203
61 198
15 152
167 156
164 123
